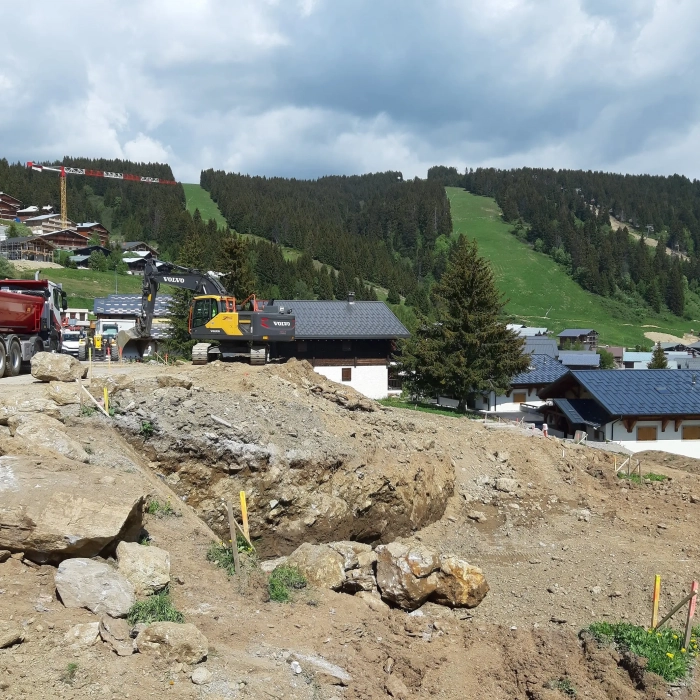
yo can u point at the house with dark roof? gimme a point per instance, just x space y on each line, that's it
9 206
586 336
27 248
579 359
541 346
521 401
654 410
136 247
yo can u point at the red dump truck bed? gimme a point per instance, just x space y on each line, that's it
20 313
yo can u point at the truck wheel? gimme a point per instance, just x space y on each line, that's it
13 364
114 353
82 353
2 359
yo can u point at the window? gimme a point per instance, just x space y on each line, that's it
646 433
202 313
346 374
691 432
519 397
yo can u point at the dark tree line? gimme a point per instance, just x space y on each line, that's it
566 214
374 227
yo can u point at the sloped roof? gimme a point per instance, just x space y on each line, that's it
341 320
655 392
583 411
637 356
26 239
541 346
543 370
579 358
575 332
129 305
527 332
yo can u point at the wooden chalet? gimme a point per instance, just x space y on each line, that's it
138 248
95 229
9 206
27 248
65 239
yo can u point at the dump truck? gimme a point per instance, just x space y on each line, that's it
30 322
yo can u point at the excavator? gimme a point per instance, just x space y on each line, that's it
223 328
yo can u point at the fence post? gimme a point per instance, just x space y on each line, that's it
691 614
655 602
244 516
234 540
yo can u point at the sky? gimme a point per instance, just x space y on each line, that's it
306 88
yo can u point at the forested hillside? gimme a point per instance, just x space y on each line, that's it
374 227
566 214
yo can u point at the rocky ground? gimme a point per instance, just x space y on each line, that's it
560 540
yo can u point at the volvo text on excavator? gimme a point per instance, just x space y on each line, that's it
223 328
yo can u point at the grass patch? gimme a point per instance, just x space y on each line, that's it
197 197
222 555
87 411
662 648
636 479
156 608
283 580
147 429
159 508
564 686
69 673
396 402
540 292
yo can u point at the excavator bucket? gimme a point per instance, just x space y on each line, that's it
135 347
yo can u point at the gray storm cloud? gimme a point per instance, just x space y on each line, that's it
315 87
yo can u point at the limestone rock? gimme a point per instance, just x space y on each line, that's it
406 575
117 633
52 509
323 670
459 584
201 676
146 567
15 407
174 642
396 688
4 555
49 366
321 565
10 635
359 580
506 485
85 583
114 383
268 566
374 601
36 430
172 380
349 551
63 393
84 635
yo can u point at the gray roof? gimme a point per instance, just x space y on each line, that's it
28 238
668 346
543 370
527 332
541 346
690 363
128 245
341 320
636 356
583 411
129 305
656 392
575 332
579 358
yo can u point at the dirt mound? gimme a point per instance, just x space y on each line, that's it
318 461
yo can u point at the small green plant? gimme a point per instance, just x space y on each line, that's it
282 581
88 449
222 554
145 541
69 674
159 508
636 479
87 411
155 608
662 648
563 685
147 429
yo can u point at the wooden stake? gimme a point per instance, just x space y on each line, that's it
106 395
234 544
244 516
655 602
80 393
94 400
691 614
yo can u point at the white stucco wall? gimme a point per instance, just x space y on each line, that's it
371 381
507 408
668 441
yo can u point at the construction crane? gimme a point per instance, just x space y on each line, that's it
65 170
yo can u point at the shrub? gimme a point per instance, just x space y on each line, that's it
69 674
155 608
282 581
147 429
222 555
158 508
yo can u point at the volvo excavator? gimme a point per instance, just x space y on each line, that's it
223 328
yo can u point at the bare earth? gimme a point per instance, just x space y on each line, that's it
571 545
687 339
35 265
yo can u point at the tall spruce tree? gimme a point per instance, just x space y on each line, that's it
468 349
234 263
658 359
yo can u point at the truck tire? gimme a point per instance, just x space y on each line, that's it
13 363
114 353
2 359
82 353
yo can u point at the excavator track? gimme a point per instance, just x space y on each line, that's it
258 355
200 353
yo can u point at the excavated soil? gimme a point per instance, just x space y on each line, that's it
564 544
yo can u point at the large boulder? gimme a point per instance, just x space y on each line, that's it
63 393
10 408
114 383
408 576
147 567
53 508
321 565
37 430
86 583
174 642
172 380
49 366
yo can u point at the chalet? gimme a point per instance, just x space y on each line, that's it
94 229
91 249
636 360
579 359
64 239
27 213
136 248
46 223
653 410
9 206
75 318
27 248
586 336
617 351
541 346
521 401
526 331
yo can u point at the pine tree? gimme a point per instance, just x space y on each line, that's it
468 349
658 359
393 296
235 265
